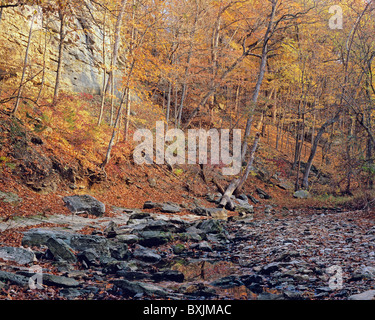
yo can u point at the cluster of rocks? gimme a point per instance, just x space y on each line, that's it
164 256
141 250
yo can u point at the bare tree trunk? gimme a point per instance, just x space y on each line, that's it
116 44
127 114
262 71
236 185
24 66
115 129
187 68
104 74
305 182
59 62
168 103
44 69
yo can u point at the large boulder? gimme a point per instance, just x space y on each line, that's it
39 236
84 204
60 250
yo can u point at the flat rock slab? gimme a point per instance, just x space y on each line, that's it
132 288
84 204
51 279
12 278
367 295
163 207
19 255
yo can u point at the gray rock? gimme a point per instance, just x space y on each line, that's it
159 225
70 293
146 255
38 236
132 288
113 267
216 213
84 203
228 282
367 295
192 233
89 257
127 238
154 238
210 226
61 250
270 268
242 206
81 242
16 279
364 273
19 255
202 246
170 208
119 251
163 207
59 281
52 280
302 194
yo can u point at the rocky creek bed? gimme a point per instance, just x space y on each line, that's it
142 255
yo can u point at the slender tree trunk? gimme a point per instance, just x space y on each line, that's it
116 44
104 74
236 185
115 130
127 114
168 103
24 66
44 69
261 73
187 68
60 58
305 182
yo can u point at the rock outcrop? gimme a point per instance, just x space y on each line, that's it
82 58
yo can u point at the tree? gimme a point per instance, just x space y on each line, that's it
24 65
